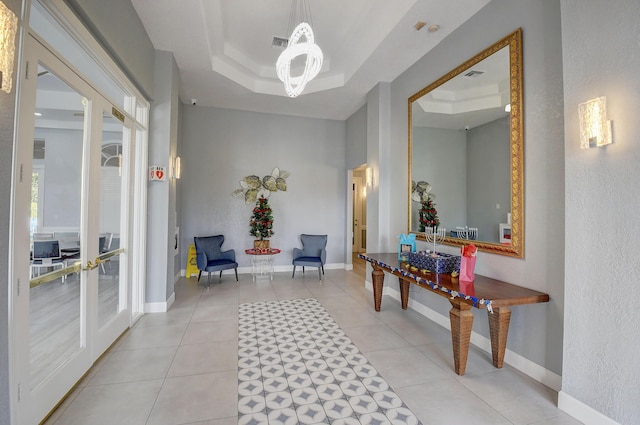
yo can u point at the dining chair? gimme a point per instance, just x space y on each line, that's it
211 258
312 254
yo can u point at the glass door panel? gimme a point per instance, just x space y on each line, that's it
71 213
55 282
113 194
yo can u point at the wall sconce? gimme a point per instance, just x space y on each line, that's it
595 129
8 29
368 177
177 167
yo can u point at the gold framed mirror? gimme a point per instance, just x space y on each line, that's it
466 152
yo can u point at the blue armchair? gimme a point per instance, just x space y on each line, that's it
210 258
313 253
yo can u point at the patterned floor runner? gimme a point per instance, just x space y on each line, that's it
296 366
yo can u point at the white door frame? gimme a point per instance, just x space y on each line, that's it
49 392
358 224
54 390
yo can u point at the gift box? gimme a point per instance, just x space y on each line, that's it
437 262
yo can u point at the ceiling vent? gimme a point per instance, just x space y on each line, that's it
473 74
280 42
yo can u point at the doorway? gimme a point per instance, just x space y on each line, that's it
75 301
359 224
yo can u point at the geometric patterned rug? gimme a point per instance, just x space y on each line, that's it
296 366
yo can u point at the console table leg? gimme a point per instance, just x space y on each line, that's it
461 324
498 329
378 281
404 292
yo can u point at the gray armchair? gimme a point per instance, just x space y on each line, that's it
312 254
210 257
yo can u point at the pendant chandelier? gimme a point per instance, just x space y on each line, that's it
301 42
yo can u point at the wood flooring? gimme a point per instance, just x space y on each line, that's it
54 311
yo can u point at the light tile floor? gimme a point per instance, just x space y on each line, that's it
181 367
297 366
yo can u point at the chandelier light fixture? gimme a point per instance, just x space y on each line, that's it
301 42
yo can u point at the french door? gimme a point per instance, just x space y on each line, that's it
71 230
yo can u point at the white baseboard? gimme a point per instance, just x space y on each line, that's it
513 359
161 307
283 268
585 414
289 268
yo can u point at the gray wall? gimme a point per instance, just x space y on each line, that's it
600 56
489 178
378 147
172 222
178 197
469 173
7 116
117 26
62 178
357 139
220 147
536 330
439 157
161 195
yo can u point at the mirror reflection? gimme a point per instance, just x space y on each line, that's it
462 137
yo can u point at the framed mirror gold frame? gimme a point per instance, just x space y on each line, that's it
516 141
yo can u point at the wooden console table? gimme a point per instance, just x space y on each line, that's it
494 295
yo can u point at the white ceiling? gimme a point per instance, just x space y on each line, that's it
474 97
224 53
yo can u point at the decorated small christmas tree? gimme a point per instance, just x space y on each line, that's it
428 215
261 223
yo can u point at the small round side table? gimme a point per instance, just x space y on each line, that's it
262 262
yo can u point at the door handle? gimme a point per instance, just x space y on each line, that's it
94 265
